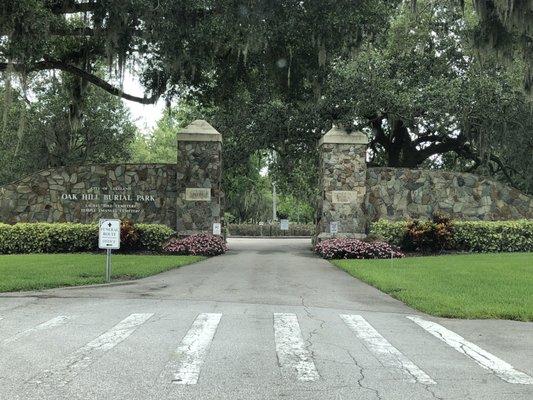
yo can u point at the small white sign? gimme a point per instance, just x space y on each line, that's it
109 234
217 228
334 227
261 223
284 224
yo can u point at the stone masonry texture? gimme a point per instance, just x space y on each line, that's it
140 192
398 194
199 166
342 167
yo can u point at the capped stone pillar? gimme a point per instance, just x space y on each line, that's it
199 177
342 184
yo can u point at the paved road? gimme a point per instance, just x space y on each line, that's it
268 320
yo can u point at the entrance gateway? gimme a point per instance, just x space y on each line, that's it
187 196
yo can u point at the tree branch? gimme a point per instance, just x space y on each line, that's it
95 80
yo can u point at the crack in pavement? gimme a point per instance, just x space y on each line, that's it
314 332
362 376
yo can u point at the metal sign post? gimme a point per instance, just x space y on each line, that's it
108 266
109 239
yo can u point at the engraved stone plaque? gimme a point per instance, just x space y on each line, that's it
198 194
343 196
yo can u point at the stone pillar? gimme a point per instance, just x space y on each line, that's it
199 176
342 184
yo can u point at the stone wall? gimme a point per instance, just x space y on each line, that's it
140 192
397 193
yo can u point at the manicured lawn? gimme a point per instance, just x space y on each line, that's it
41 271
459 286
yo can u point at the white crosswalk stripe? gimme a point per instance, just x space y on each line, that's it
189 356
83 357
385 352
292 353
485 359
57 321
296 360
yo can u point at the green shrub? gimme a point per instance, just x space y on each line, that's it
391 232
476 236
129 235
48 238
270 230
153 236
428 236
481 236
71 237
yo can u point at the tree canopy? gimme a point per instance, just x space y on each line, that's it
178 43
424 79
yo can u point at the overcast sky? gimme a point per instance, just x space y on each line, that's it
144 116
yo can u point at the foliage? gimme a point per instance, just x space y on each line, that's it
391 232
455 286
270 230
428 236
160 145
129 235
44 271
70 237
40 133
481 236
152 236
423 93
353 248
295 209
183 42
197 245
476 236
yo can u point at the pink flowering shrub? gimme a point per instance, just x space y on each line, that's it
197 245
353 248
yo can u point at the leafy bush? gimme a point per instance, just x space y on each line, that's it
47 238
428 236
271 230
153 236
129 235
197 245
476 236
71 237
391 232
482 236
354 248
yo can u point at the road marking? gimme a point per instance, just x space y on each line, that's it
57 321
487 360
385 352
290 346
190 354
83 357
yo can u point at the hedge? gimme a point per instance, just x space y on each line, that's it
71 237
475 236
270 230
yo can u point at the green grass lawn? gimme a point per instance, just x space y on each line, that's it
458 286
41 271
